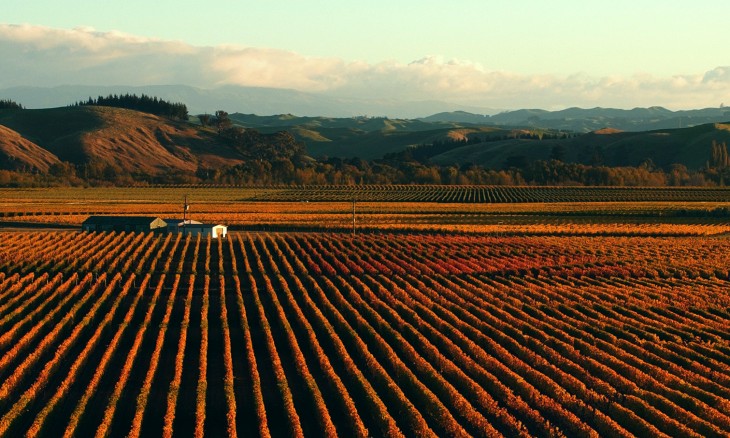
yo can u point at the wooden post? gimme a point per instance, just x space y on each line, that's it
185 209
353 216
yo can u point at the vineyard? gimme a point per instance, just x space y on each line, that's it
380 193
398 334
494 194
596 211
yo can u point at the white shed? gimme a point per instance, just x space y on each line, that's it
214 231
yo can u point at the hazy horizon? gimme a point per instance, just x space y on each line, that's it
264 101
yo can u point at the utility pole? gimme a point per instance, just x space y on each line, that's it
185 210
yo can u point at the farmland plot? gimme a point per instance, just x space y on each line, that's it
270 334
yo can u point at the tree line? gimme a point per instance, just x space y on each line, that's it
9 104
143 103
273 159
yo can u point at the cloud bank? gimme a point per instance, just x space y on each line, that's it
40 56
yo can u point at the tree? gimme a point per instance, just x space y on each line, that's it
558 152
678 175
648 164
9 104
63 170
449 174
597 158
204 119
516 161
719 159
282 170
222 121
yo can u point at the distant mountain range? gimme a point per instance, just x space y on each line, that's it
255 100
587 120
273 101
491 145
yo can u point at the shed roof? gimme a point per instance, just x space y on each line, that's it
202 225
176 221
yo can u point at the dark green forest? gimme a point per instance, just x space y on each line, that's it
143 103
9 104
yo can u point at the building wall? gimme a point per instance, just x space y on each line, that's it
212 231
195 231
154 225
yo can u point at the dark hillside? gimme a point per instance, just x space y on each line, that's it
129 140
93 144
58 130
364 137
688 146
20 154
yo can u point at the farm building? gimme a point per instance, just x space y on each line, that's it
124 223
175 225
212 230
149 223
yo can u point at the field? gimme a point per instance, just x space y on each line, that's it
527 210
520 319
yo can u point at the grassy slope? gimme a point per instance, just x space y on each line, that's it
133 140
17 153
370 138
362 137
688 146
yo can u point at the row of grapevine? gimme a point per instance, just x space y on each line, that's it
493 194
385 334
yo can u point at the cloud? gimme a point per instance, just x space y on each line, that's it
719 75
40 56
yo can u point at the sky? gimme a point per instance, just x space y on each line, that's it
492 54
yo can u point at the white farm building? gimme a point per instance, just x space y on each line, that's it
147 224
214 231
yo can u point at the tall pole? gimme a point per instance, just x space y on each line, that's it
185 210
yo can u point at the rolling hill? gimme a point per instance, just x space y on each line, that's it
132 141
586 120
364 137
688 146
18 153
138 143
491 146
